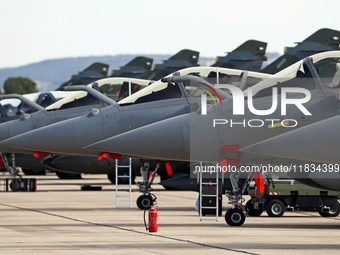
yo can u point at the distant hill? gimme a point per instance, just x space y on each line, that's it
50 74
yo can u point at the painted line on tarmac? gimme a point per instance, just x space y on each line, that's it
130 230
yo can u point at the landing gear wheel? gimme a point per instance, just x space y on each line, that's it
332 212
275 208
251 210
15 185
235 217
144 202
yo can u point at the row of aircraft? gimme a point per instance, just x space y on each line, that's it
173 120
248 56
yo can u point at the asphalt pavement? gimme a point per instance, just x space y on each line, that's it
60 218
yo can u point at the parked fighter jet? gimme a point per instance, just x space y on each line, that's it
15 105
90 74
166 99
138 67
74 105
322 40
242 79
159 101
248 56
307 92
316 74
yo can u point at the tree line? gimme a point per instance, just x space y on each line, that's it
19 85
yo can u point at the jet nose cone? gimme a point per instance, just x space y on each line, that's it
161 140
65 137
50 138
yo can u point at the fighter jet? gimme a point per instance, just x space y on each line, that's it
90 74
163 99
306 91
248 56
156 102
26 161
12 106
138 67
117 89
74 105
316 75
322 40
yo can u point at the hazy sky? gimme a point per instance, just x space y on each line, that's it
36 30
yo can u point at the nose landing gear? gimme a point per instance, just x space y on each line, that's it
147 199
236 216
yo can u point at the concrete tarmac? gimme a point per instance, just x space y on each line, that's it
59 218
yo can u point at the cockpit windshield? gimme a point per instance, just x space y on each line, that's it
114 88
156 91
9 109
160 90
216 75
12 107
328 69
297 75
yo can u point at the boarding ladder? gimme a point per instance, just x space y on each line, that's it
118 170
204 186
122 188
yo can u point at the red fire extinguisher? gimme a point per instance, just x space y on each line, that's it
152 219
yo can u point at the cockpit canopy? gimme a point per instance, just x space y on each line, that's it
13 106
114 88
304 74
119 89
161 91
328 68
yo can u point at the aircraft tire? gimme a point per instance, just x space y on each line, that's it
15 185
235 217
275 208
332 213
144 202
251 210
